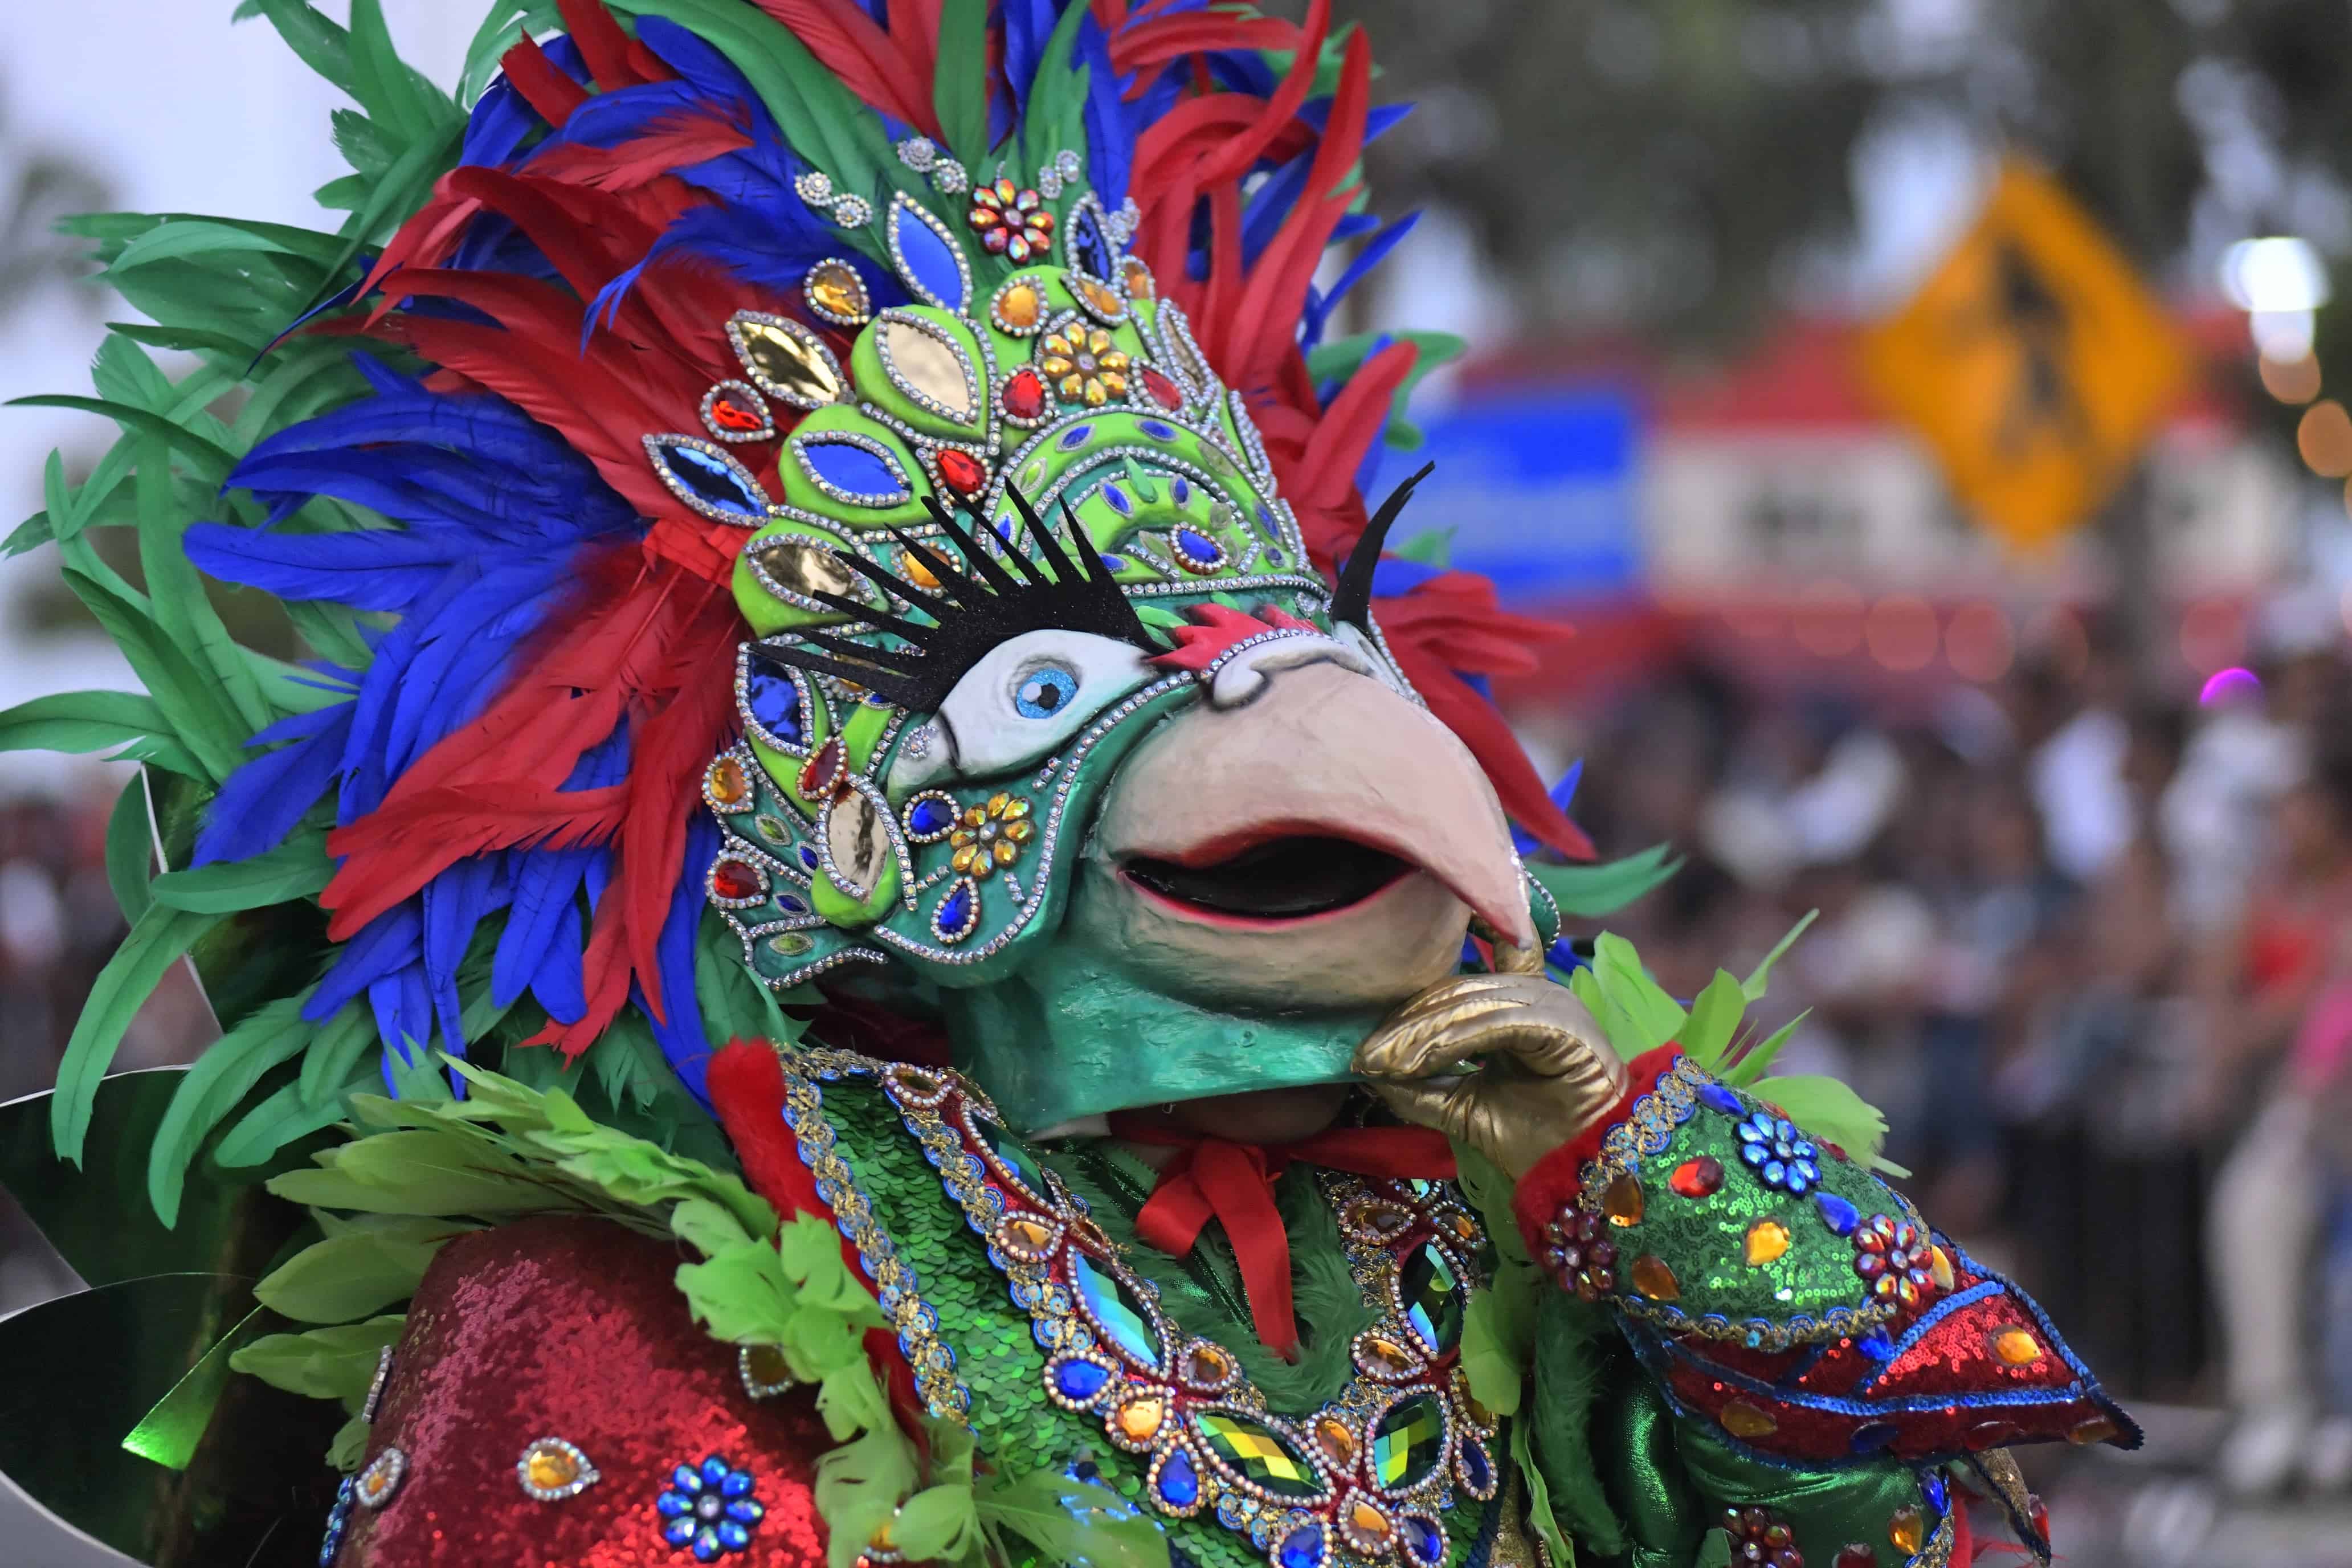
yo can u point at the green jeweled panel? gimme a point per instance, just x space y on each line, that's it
1408 1444
1258 1454
1117 1309
1431 1294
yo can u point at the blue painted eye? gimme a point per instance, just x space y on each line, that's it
1045 692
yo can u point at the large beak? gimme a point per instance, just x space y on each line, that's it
1318 753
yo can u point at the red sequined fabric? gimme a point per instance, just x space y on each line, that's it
571 1329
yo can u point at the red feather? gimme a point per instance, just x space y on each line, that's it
871 63
552 94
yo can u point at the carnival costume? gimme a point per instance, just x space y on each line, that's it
860 749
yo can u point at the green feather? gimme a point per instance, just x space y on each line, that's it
158 939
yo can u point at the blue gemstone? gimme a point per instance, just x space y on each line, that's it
1775 1173
1870 1438
1715 1097
1876 1345
1422 1540
686 1480
1476 1468
954 911
1798 1180
1178 487
1754 1153
1302 1548
1115 563
733 1536
853 469
714 1469
1119 502
930 814
1837 1214
1273 557
791 905
705 1544
1199 547
774 700
1938 1495
678 1531
669 1505
737 1484
1265 523
925 260
1090 247
1158 431
808 858
1808 1171
1178 1484
1080 1379
1075 437
716 481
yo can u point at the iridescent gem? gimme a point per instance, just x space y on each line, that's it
792 944
1196 551
958 912
774 700
1654 1279
1622 1200
1474 1468
1431 1294
1697 1178
735 414
1157 431
1937 1493
1906 1530
1409 1443
1939 1265
1742 1419
1837 1214
1254 1452
1117 1311
1715 1097
928 259
822 773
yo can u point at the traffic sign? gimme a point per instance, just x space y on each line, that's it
2033 361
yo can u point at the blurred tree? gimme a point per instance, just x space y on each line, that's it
1687 166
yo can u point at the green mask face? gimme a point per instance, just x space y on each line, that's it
1026 537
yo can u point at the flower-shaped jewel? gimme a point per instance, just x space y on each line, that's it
1580 1255
1762 1538
1082 363
338 1519
709 1509
1897 1260
1012 221
1780 1155
987 837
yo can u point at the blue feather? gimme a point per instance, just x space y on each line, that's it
387 943
684 1043
261 803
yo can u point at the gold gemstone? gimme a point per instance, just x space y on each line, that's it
1338 1443
1622 1201
1767 1240
1463 1227
1742 1419
1939 1263
924 364
837 292
1018 308
789 361
2016 1347
551 1468
2097 1429
884 1537
1014 810
1027 1233
1206 1364
1100 300
1380 1353
1652 1278
727 784
912 567
1138 277
1906 1529
1139 1420
802 567
1368 1525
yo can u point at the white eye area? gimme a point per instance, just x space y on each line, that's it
1019 703
1355 639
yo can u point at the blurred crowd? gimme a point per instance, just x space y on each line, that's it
2089 948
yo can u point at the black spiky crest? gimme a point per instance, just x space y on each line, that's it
1352 601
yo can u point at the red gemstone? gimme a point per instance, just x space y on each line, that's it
1162 390
821 772
963 471
1697 1178
1025 395
1856 1556
2037 1515
730 414
736 879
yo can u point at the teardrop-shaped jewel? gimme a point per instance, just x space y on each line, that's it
1176 1481
957 914
787 360
926 256
838 294
1117 1311
930 370
707 479
734 411
860 850
1431 1292
1086 244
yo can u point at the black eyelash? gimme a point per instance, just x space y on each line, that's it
1352 600
975 608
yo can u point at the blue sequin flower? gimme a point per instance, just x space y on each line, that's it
1780 1154
710 1508
338 1518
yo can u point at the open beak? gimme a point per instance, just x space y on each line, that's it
1325 798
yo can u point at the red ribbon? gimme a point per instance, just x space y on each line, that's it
1213 1178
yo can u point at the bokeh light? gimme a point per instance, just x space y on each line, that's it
1829 619
2324 436
2290 381
1980 643
1900 632
2233 683
2212 636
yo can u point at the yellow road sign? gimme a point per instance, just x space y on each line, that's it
2033 361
